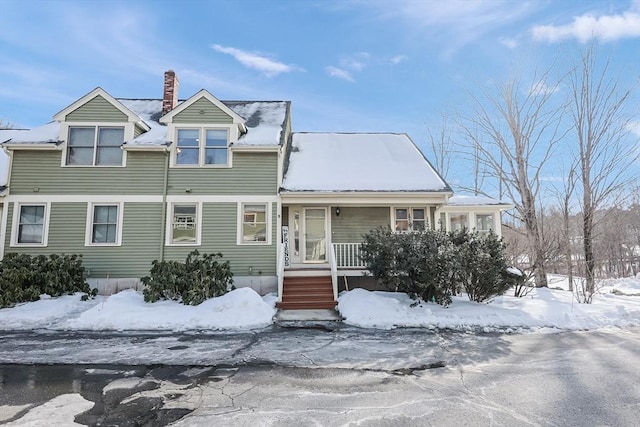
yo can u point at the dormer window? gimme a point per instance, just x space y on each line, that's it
95 146
202 147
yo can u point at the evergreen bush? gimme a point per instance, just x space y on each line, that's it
433 265
24 278
199 278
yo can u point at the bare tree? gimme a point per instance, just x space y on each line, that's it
597 107
441 146
513 130
6 125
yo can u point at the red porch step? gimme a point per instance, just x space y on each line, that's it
307 293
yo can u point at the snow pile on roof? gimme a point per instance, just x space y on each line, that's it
149 110
358 162
463 200
264 120
42 134
542 308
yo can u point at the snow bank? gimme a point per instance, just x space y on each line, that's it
239 309
542 308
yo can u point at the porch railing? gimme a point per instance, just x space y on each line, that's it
334 273
348 255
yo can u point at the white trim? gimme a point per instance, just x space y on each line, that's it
202 140
240 220
237 120
3 227
131 116
82 198
410 215
232 198
169 224
88 235
363 199
255 148
128 132
51 146
16 220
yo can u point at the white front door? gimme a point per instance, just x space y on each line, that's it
314 236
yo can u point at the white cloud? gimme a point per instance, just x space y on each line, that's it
339 73
398 59
356 62
508 42
542 88
256 61
586 27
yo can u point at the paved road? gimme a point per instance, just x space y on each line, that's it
574 379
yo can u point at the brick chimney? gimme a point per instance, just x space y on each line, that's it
170 94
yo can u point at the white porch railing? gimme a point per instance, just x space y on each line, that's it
334 273
348 255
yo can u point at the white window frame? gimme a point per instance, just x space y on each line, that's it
169 221
16 223
492 226
466 227
88 240
240 236
202 140
409 219
127 134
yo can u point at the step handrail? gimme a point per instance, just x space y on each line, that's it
334 272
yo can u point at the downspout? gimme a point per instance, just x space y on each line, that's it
165 186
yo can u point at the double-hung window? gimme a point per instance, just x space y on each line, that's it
254 223
459 221
95 146
31 225
104 227
202 147
184 224
410 219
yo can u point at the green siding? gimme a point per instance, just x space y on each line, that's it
144 174
252 173
140 239
141 236
219 234
202 111
353 222
97 109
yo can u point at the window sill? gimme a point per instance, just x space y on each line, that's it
253 243
93 166
27 245
226 166
102 245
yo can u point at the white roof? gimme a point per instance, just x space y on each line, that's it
463 200
332 162
149 110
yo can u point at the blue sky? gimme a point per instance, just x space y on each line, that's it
346 65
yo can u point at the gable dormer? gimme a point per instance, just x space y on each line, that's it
202 129
94 128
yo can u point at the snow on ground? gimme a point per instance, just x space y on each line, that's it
239 309
541 308
59 411
617 304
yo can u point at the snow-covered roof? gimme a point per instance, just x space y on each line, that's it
49 133
338 162
265 121
464 200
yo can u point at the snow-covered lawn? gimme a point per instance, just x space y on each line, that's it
243 309
540 309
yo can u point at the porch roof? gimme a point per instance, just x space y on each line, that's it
359 162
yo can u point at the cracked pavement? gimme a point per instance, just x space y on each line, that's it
343 377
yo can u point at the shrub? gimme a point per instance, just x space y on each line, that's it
192 282
433 265
419 264
24 277
482 267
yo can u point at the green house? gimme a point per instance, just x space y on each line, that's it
128 181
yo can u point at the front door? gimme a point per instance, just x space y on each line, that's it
314 242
